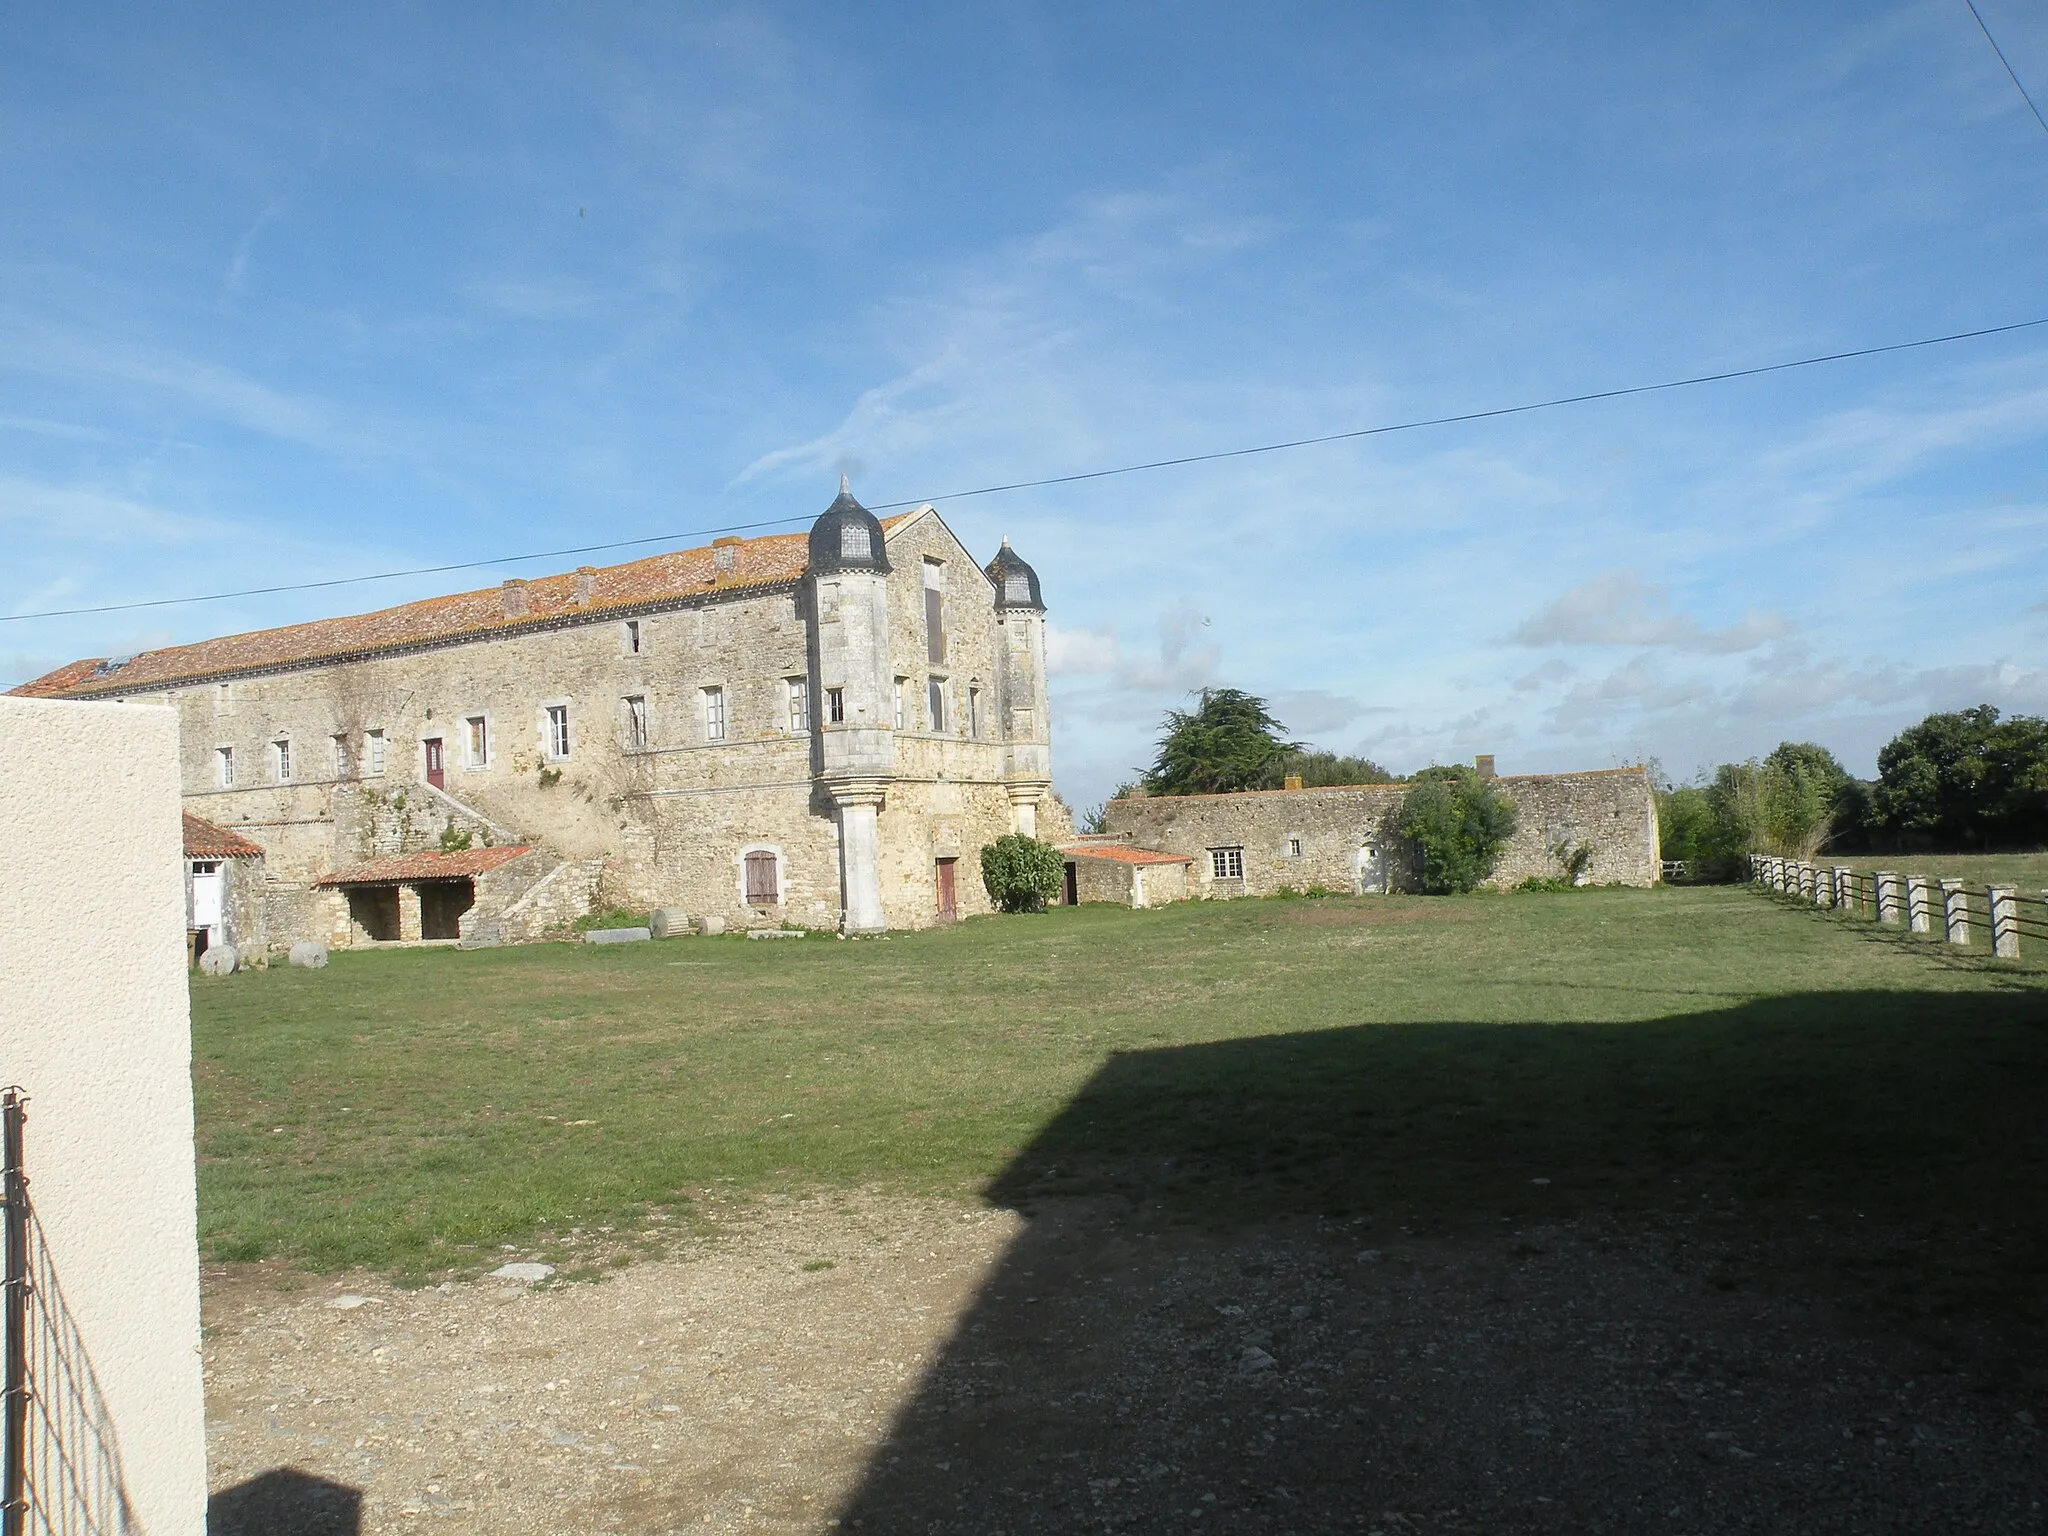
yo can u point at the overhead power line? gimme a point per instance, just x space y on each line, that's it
1490 414
2010 73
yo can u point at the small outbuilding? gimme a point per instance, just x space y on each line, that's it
1110 869
412 897
223 890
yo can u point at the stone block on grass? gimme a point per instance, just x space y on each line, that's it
616 935
668 923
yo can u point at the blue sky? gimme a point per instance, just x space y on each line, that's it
298 293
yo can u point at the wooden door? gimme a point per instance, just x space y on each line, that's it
948 911
437 764
760 873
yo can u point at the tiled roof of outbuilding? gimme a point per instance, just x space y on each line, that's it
773 560
204 840
433 865
1122 854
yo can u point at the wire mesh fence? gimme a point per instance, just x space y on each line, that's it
62 1473
1998 919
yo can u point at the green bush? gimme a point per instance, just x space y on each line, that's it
1021 873
1454 823
617 917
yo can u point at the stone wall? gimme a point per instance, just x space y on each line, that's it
1331 837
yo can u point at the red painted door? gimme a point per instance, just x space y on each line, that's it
947 910
437 774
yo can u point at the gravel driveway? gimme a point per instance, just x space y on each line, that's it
894 1365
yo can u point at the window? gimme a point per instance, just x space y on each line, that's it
224 760
557 736
973 711
632 637
1294 847
714 714
761 888
476 741
281 761
373 749
902 700
1016 587
854 543
935 702
934 611
636 723
799 705
341 761
1226 863
835 705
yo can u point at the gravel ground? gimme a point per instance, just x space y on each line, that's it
960 1369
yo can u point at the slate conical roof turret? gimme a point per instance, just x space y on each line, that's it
847 537
1016 583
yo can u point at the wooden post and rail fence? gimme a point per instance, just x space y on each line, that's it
1996 912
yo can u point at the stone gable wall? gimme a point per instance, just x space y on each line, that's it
1610 811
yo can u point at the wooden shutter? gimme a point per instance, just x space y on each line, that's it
761 879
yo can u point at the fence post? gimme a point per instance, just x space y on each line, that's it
1845 890
1919 904
2005 922
1955 911
1823 887
14 1188
1887 897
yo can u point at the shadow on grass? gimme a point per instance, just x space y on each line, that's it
1778 1266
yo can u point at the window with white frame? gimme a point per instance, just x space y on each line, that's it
935 702
224 766
555 734
934 610
636 722
835 706
714 714
902 701
341 756
373 751
799 705
476 741
1226 863
1294 848
281 760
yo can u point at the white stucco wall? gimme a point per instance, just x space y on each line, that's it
94 1025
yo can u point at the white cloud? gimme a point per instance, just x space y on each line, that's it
1620 608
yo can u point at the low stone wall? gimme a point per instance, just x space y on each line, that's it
1341 838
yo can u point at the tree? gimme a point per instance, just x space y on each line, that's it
1967 779
1454 824
1320 769
1021 873
1227 742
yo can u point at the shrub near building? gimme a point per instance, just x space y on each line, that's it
1021 873
1454 823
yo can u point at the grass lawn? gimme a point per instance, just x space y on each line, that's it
1424 1059
2026 872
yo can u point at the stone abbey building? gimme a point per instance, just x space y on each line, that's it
816 730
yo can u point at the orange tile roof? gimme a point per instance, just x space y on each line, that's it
204 840
770 561
432 865
1122 855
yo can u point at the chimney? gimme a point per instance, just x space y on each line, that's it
586 584
1484 763
1292 781
515 598
725 556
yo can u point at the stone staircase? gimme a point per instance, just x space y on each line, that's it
529 899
